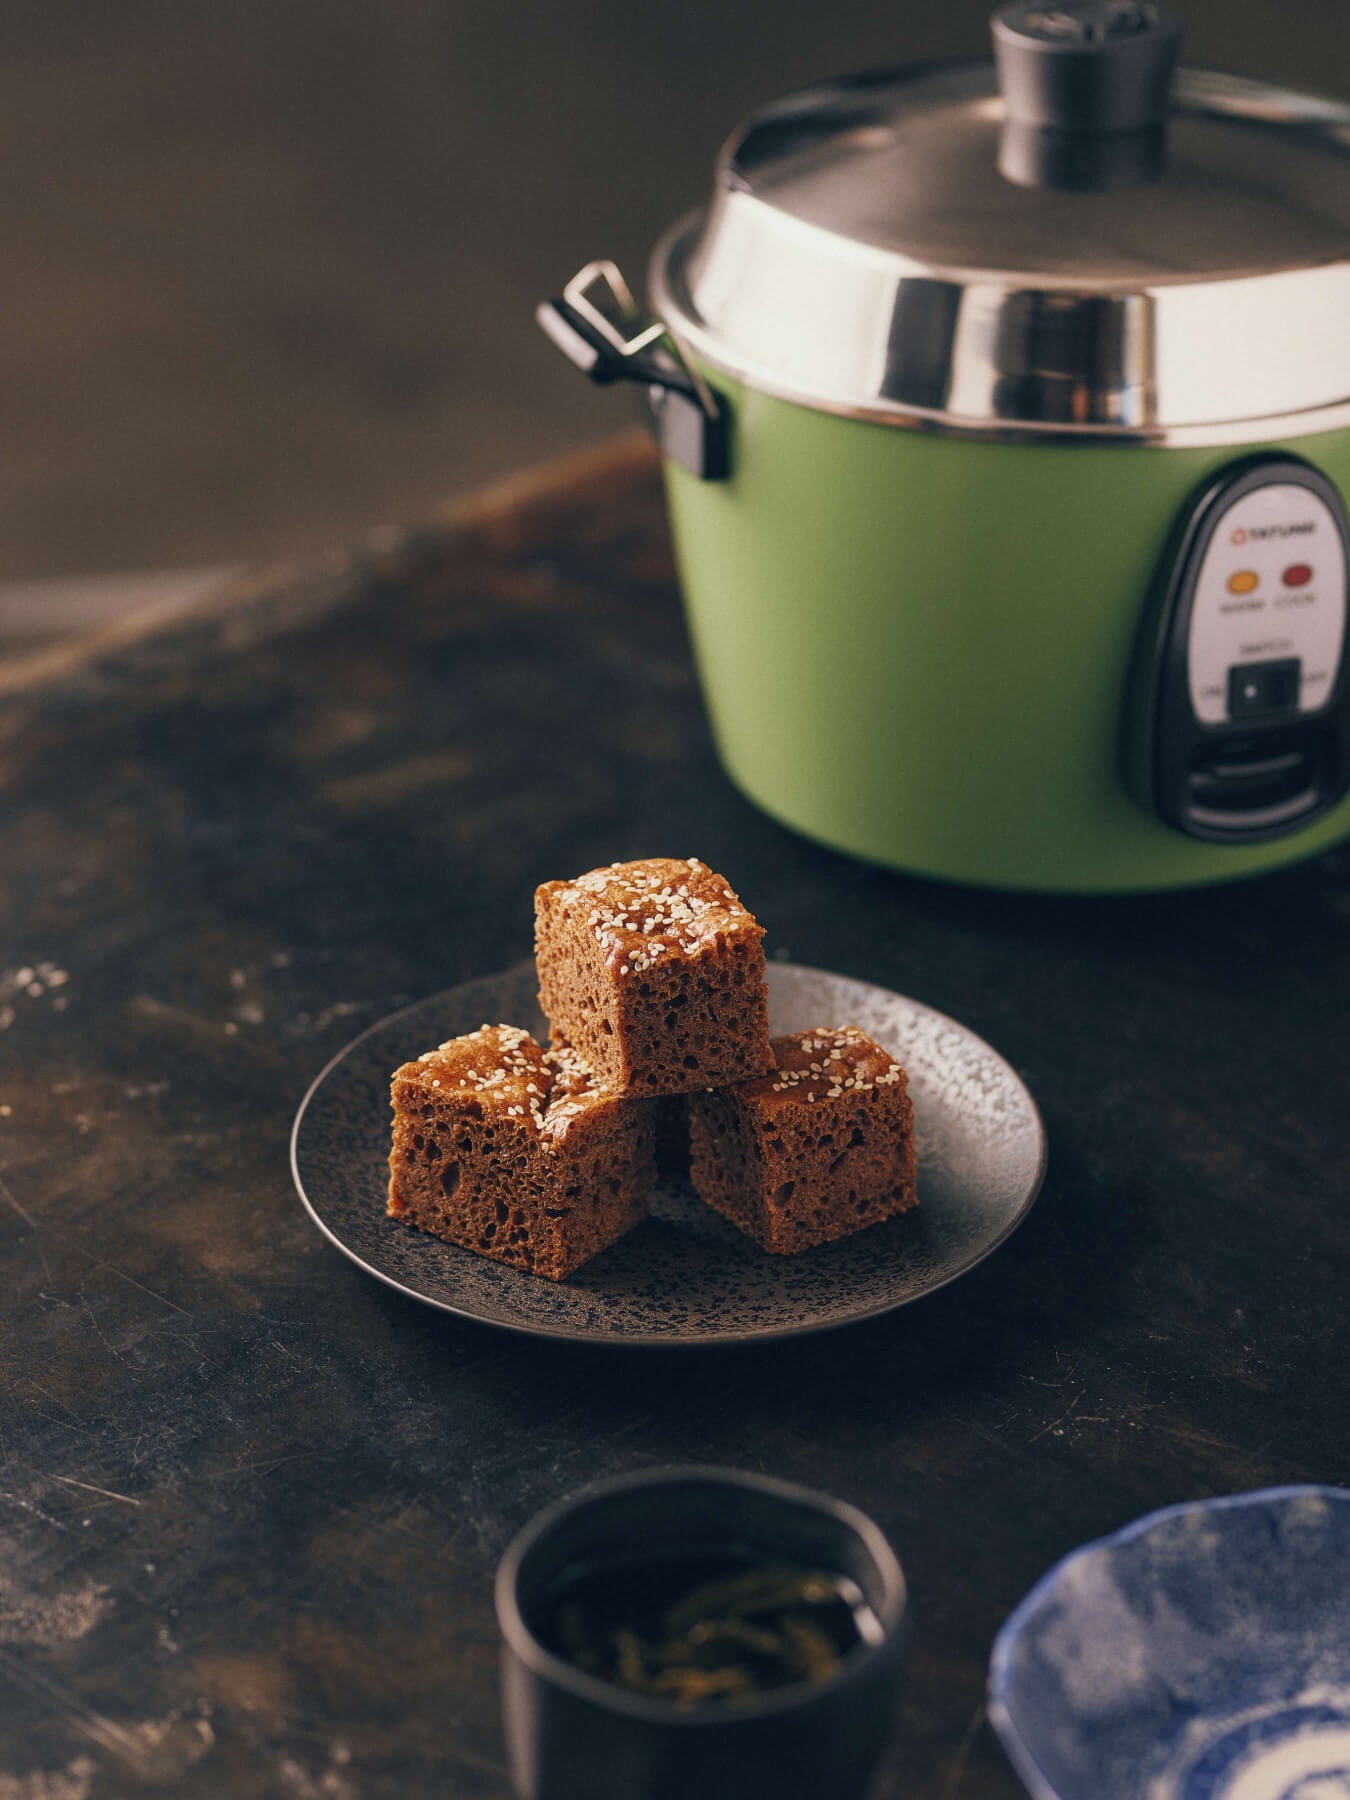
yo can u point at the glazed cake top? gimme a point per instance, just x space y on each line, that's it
824 1064
646 912
574 1090
503 1066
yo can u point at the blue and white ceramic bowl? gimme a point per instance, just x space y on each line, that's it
1202 1653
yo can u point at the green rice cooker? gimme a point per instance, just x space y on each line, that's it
1005 414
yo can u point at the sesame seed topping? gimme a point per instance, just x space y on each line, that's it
671 909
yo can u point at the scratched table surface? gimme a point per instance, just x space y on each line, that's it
251 1500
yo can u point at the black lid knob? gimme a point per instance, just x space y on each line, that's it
1085 88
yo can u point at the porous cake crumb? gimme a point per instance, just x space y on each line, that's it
515 1153
820 1148
654 972
672 1135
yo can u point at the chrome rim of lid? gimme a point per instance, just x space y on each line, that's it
862 255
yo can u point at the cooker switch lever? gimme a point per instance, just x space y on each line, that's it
1256 690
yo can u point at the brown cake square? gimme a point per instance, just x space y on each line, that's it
514 1153
655 972
820 1148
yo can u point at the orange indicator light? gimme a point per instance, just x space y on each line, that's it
1244 581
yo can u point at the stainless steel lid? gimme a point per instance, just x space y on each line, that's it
864 255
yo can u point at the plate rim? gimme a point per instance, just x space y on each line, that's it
706 1340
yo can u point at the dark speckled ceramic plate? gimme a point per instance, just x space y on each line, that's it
685 1276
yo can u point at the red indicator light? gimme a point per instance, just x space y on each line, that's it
1297 575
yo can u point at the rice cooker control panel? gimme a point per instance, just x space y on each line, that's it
1241 725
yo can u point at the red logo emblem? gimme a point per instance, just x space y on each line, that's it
1239 536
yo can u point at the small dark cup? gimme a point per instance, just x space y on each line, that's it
572 1736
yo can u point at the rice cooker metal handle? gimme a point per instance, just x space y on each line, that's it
598 326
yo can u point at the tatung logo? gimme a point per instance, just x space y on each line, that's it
1302 528
1259 533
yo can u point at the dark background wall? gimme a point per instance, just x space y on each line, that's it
268 268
